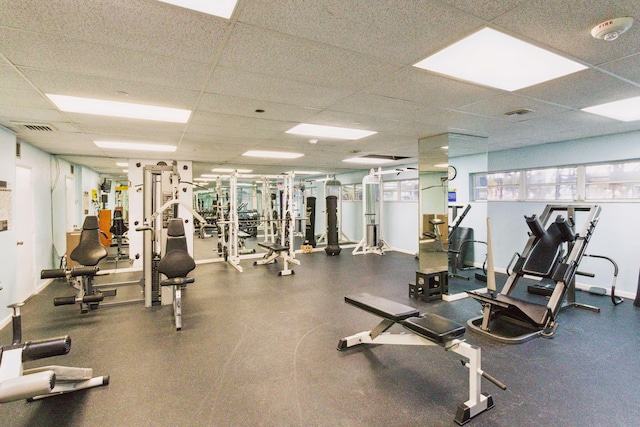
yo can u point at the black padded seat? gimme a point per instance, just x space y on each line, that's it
543 257
89 251
532 313
273 246
118 228
382 307
434 328
177 262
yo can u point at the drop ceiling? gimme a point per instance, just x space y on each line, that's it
328 62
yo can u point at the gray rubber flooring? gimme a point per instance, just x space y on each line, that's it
260 350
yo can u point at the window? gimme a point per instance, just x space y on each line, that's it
347 192
479 186
603 181
551 184
390 191
409 190
617 181
503 186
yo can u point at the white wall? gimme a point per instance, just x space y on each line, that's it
7 238
616 234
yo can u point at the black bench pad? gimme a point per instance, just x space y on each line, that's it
382 307
177 281
535 314
434 328
273 246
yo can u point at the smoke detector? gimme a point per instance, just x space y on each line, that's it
610 30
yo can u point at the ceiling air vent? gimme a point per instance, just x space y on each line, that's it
518 112
35 127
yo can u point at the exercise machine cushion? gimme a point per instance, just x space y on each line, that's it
535 314
118 228
275 247
434 328
382 307
89 251
176 262
543 258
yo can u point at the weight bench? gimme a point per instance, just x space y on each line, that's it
274 251
175 265
242 246
17 383
427 329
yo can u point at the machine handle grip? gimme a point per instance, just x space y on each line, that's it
53 274
64 301
84 271
34 350
494 380
87 299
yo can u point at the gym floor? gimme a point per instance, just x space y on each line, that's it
260 350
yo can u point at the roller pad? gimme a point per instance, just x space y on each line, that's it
34 350
382 307
434 328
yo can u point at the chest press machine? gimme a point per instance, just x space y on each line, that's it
17 383
428 329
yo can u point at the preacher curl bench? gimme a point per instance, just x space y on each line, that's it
427 329
17 383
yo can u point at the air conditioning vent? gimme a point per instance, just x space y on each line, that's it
518 112
34 127
384 157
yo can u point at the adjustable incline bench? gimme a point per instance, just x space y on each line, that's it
17 383
274 251
427 329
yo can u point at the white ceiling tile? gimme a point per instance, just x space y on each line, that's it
393 29
276 54
150 27
262 87
419 86
486 9
26 49
235 106
583 89
66 83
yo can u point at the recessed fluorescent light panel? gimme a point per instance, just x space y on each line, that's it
272 154
100 107
367 160
122 164
221 8
229 170
626 110
136 146
491 58
321 131
307 173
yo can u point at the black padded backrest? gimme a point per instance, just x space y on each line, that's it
545 253
89 251
118 228
460 235
177 262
